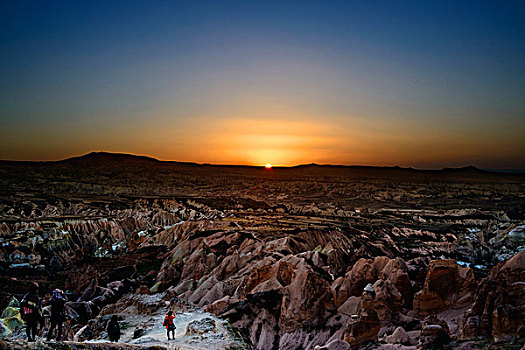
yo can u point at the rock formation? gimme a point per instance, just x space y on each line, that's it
307 257
447 285
364 326
498 310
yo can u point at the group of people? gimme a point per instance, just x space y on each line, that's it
31 313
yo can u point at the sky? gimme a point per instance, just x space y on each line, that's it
425 84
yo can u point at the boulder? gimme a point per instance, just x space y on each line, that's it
350 307
447 285
398 337
218 306
434 335
197 327
139 332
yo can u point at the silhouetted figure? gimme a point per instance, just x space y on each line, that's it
30 310
113 329
169 324
57 302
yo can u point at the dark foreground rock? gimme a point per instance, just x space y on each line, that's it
498 310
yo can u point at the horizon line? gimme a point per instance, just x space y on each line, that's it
152 158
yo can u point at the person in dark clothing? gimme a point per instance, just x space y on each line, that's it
170 324
113 329
30 310
57 302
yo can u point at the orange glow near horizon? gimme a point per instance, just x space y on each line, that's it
287 138
284 142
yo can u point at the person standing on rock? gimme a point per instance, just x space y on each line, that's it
113 329
170 324
57 302
30 310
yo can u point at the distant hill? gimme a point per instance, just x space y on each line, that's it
104 157
468 169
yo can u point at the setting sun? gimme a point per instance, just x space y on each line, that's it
268 166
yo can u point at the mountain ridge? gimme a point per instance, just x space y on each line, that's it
102 156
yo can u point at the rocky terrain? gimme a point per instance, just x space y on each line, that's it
310 257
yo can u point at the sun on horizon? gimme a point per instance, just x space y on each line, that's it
268 166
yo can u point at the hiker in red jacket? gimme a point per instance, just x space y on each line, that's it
170 324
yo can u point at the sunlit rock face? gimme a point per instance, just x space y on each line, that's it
447 285
308 258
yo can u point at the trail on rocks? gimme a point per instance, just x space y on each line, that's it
155 332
